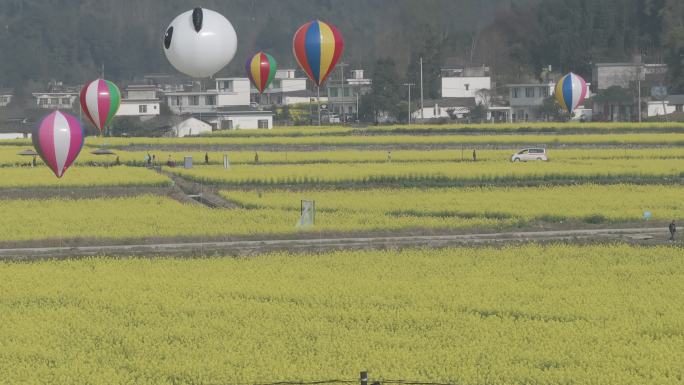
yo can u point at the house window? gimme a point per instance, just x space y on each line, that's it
679 108
467 86
210 100
54 101
544 91
4 99
516 92
193 100
346 92
333 92
142 108
66 101
227 124
42 102
226 85
276 84
529 92
262 123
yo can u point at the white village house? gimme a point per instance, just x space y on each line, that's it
225 106
462 89
285 89
189 127
6 96
58 96
140 101
344 95
466 83
526 100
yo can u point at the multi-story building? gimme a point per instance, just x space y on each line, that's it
344 95
626 75
526 100
622 86
466 83
226 106
58 96
140 101
282 89
227 92
6 96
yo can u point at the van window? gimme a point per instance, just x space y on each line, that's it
523 152
537 151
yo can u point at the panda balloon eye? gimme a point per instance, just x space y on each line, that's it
167 38
197 16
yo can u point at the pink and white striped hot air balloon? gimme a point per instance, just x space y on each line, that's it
100 100
58 140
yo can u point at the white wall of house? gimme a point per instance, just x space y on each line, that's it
140 93
436 112
247 122
292 100
656 109
5 100
233 92
607 75
287 73
529 94
55 100
138 108
14 135
464 87
191 102
191 126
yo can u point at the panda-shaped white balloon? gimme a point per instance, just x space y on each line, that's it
199 43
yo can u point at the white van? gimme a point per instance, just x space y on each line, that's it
530 154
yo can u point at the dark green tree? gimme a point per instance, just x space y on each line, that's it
673 36
432 51
385 91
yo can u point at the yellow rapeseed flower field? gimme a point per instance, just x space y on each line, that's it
614 203
437 172
667 139
538 315
9 155
26 177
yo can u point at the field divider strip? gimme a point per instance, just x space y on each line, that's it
248 248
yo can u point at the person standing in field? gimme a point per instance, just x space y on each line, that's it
673 230
256 157
474 156
206 158
389 156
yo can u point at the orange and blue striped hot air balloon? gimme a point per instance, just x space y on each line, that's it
571 91
261 69
318 47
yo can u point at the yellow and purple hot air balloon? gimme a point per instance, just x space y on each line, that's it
318 46
100 100
261 69
58 139
571 91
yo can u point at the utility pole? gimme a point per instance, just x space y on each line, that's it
341 66
409 85
421 90
639 90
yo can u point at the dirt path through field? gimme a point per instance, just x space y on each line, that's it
643 236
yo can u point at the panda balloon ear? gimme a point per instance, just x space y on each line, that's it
167 37
197 16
